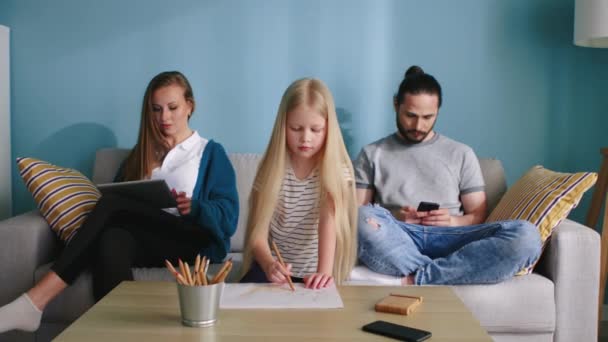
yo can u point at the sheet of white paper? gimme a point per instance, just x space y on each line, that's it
270 296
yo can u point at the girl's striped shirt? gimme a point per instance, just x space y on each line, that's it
294 224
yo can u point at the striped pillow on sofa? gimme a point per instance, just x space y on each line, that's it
544 198
64 196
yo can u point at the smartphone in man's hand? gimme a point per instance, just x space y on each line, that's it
427 206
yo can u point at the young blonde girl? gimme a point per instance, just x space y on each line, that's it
303 196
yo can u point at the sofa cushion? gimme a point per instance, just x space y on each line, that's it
361 275
107 163
246 166
519 337
64 197
494 178
543 197
520 305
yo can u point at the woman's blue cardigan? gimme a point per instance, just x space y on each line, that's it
215 201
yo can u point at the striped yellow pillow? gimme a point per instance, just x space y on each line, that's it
64 196
543 197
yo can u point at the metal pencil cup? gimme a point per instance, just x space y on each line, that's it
199 305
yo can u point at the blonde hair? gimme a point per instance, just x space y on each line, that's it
335 188
151 146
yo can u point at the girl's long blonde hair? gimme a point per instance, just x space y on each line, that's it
337 189
151 146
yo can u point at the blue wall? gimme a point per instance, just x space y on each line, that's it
516 88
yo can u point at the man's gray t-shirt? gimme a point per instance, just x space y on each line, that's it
402 174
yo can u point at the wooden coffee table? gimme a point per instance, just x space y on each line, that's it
149 311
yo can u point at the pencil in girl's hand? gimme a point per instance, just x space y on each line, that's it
276 251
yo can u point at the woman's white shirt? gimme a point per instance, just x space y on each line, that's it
181 165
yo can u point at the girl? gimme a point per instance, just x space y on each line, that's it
121 233
303 196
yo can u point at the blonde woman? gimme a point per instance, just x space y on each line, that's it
303 196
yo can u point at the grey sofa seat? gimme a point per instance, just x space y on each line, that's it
556 303
519 305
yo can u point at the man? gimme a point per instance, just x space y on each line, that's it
448 245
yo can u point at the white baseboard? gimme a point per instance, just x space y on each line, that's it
604 317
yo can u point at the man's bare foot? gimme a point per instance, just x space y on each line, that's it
408 280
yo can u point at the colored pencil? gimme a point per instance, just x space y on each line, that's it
222 269
276 251
177 275
188 275
197 265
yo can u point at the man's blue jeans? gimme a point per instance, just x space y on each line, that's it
480 254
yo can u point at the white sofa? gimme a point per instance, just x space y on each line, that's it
556 303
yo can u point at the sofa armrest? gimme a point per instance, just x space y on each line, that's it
572 261
27 242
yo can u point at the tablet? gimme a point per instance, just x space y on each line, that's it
155 193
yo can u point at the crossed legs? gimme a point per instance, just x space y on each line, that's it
479 254
118 234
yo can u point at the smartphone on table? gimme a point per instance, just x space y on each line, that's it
399 332
427 206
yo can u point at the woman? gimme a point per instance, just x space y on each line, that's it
121 233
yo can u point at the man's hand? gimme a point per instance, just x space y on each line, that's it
440 217
409 215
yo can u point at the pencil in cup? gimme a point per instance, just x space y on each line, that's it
276 251
206 271
221 275
197 267
199 275
178 277
188 274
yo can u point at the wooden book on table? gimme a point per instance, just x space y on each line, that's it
398 304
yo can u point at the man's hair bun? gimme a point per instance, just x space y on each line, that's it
414 70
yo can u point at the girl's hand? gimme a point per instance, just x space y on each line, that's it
184 204
318 281
276 273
